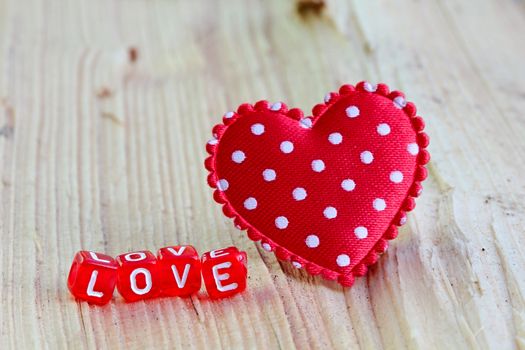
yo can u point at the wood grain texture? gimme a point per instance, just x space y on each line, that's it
105 108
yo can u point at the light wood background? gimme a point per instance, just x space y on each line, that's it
105 109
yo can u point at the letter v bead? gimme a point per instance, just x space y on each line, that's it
181 282
177 251
180 269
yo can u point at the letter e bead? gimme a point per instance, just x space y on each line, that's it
224 272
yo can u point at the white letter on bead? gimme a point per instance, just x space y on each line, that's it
176 252
181 282
133 281
217 253
91 285
129 256
95 257
221 277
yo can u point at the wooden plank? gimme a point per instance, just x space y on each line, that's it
105 108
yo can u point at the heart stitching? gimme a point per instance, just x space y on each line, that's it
338 227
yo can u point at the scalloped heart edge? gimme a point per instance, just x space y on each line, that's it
346 279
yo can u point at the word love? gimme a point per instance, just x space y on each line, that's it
175 271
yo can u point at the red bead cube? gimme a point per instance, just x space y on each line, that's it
180 270
92 277
224 272
137 275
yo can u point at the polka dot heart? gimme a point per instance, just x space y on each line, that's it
329 194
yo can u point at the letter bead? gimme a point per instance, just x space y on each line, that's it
92 277
137 276
224 272
180 270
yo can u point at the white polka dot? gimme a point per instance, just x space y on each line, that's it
330 212
400 102
281 222
297 264
413 148
238 157
299 194
257 129
361 232
383 129
352 111
367 157
222 185
213 142
348 185
276 106
318 165
327 97
403 220
379 204
335 138
306 123
286 147
369 87
269 175
312 241
250 203
266 247
396 176
228 115
343 260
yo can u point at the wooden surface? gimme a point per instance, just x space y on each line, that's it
105 108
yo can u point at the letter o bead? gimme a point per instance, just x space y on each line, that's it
137 275
92 277
224 272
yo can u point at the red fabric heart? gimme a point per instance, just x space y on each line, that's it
326 191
